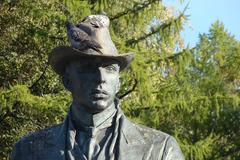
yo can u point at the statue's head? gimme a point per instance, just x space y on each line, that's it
91 74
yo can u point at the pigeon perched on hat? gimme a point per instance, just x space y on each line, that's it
90 38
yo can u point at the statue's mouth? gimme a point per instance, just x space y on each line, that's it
99 94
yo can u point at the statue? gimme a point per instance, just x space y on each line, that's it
95 127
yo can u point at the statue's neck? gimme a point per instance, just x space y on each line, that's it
82 118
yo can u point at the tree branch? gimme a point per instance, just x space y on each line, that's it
175 55
154 31
129 91
40 77
136 8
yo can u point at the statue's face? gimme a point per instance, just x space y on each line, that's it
93 83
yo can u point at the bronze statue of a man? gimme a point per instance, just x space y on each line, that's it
95 127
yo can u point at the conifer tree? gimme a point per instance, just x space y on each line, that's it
190 93
32 96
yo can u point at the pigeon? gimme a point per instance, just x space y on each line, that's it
79 39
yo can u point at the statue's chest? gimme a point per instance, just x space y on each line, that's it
138 152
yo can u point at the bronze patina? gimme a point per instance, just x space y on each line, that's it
95 127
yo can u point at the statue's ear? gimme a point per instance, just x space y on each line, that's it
67 82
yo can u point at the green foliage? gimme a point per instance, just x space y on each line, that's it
197 98
192 94
21 112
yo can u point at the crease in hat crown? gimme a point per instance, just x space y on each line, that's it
89 38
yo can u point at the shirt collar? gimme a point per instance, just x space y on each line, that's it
81 118
58 135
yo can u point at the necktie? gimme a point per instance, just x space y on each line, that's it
91 147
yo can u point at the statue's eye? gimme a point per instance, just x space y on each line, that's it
85 67
111 68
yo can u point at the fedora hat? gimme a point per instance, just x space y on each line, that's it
89 39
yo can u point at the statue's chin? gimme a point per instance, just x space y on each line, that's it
98 106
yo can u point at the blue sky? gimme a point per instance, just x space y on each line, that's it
205 12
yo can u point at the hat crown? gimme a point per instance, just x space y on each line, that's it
89 39
97 20
93 36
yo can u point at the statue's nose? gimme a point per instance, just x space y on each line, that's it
101 75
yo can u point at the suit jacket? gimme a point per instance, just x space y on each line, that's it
137 142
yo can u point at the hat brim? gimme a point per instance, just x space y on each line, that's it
62 55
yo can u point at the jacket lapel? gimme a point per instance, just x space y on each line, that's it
62 140
130 133
132 143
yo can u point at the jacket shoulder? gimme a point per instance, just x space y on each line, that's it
152 135
31 143
38 135
165 144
